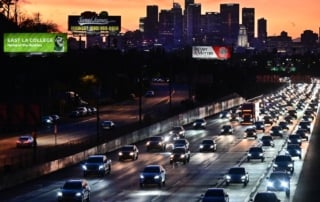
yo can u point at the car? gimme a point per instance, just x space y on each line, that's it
259 125
153 174
305 125
255 153
178 131
279 181
226 129
149 93
294 139
25 141
130 151
307 117
215 194
284 125
199 124
283 162
267 140
98 164
294 150
276 131
107 125
208 145
265 196
237 175
180 154
303 134
47 121
156 143
225 115
250 133
268 120
181 143
74 190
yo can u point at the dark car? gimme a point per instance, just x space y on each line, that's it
178 131
74 190
267 140
215 194
199 124
107 125
265 196
156 143
255 153
153 174
305 125
294 150
250 133
97 164
303 134
283 163
284 125
25 141
180 154
279 181
276 131
268 120
294 139
226 129
208 145
128 152
237 175
224 115
259 125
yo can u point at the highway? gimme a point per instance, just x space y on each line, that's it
184 182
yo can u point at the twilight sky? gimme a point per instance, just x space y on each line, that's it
292 16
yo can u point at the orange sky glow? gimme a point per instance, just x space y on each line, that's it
293 16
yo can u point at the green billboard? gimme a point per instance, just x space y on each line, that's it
35 42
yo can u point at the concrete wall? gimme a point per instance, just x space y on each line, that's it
12 179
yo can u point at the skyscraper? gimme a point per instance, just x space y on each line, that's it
151 23
262 30
248 21
193 22
229 22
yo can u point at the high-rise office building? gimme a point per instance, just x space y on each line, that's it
212 28
262 30
193 22
177 24
151 23
248 21
229 13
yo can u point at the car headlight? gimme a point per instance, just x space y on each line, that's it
59 193
284 184
171 156
148 143
269 183
131 153
194 124
84 167
275 165
211 146
261 154
243 177
156 177
120 153
290 165
182 156
228 177
101 167
166 138
249 154
141 176
78 194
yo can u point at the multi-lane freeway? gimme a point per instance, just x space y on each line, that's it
184 182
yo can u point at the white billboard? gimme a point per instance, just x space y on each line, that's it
211 52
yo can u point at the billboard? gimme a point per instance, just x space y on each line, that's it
211 52
92 23
35 42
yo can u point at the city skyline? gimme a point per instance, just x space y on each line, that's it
294 18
